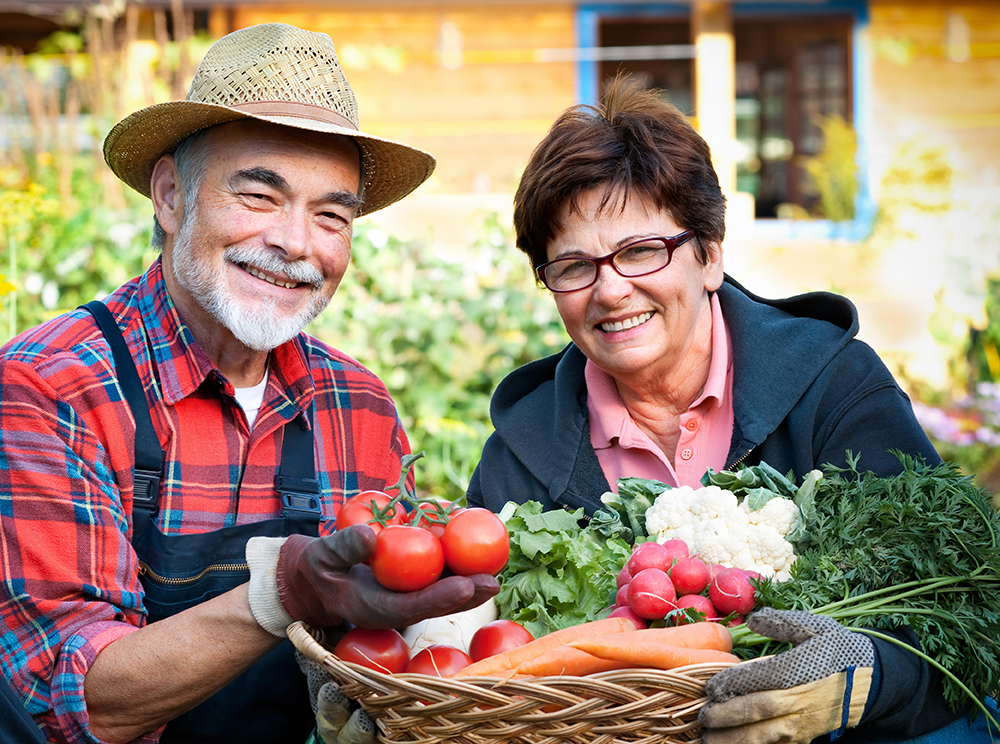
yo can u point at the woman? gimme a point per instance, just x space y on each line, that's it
674 368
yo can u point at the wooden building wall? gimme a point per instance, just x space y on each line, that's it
936 81
459 81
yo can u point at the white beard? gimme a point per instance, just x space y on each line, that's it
259 325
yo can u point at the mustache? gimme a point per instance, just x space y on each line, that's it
264 260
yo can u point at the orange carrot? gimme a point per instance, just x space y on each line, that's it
564 661
691 635
501 664
638 653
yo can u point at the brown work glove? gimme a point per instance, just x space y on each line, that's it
818 687
324 580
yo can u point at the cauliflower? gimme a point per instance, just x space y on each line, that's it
722 529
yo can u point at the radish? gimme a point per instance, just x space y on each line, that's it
621 596
623 577
647 555
676 549
730 591
628 612
698 602
714 569
651 594
690 576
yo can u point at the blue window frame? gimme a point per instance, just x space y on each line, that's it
589 16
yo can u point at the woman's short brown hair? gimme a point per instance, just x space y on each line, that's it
633 143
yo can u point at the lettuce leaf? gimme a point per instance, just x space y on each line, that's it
559 573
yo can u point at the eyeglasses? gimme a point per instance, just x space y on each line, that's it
634 259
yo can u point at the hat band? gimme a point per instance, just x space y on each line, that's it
294 108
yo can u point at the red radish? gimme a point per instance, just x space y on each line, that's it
651 594
647 555
735 620
730 591
698 602
621 597
713 570
751 574
626 611
690 576
623 577
676 549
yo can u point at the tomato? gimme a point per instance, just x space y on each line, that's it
439 660
358 510
475 541
407 558
420 519
497 637
381 650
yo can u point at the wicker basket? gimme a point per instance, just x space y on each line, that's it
633 706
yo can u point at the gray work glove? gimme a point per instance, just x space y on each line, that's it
336 722
325 580
819 687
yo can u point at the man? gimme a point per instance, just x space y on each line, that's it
145 603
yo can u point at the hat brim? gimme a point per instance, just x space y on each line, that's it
132 148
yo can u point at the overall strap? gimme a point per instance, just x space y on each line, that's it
148 469
295 480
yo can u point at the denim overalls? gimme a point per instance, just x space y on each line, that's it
270 701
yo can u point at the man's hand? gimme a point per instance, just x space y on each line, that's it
818 687
324 580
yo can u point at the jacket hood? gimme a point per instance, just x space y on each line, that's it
540 412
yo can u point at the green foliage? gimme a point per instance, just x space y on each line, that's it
441 332
834 171
558 574
62 252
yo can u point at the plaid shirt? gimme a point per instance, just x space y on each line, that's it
70 576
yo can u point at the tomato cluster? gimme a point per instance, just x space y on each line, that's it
661 581
386 651
413 550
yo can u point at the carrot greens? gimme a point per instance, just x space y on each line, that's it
920 549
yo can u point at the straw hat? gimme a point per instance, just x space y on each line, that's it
277 73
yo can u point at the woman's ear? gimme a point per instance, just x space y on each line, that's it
713 269
167 194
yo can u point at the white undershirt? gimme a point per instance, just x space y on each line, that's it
250 399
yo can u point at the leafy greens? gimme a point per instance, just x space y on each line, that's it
559 573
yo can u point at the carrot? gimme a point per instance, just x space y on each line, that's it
502 663
639 653
564 661
691 635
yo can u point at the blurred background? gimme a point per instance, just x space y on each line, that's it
858 143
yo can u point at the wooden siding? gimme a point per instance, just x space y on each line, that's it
480 118
927 91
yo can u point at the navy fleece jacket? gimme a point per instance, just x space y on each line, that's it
805 391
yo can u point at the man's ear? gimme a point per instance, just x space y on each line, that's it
167 194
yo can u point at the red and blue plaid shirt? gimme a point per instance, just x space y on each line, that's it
70 577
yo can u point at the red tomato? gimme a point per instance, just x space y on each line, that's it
475 541
358 510
420 519
439 660
381 650
497 637
407 558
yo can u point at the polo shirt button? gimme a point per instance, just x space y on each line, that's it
687 454
691 425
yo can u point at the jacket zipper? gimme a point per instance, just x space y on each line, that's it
738 460
145 570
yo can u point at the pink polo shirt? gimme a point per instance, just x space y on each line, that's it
625 451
